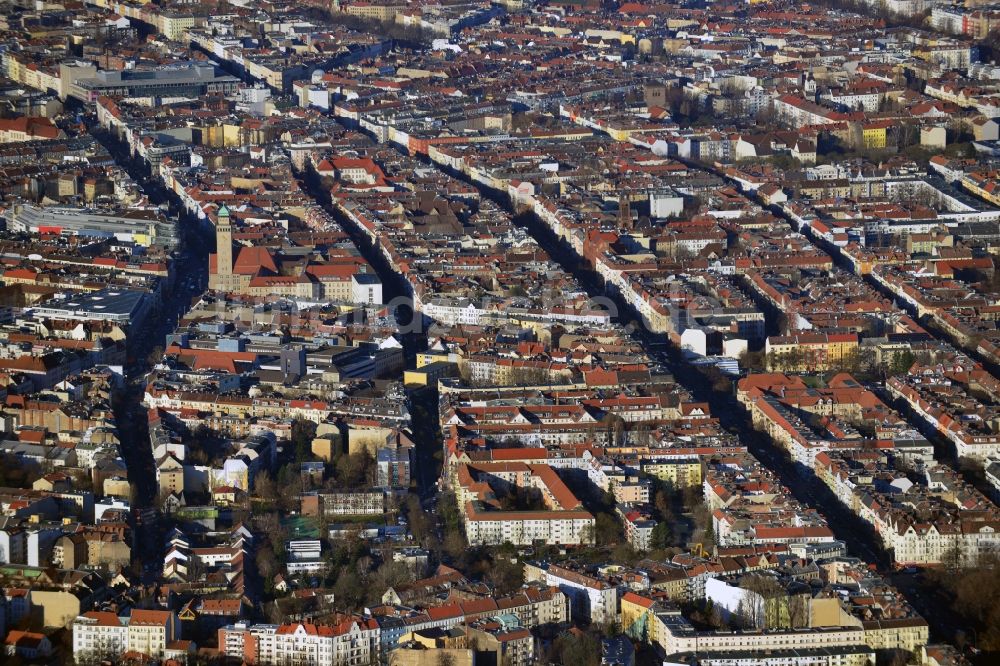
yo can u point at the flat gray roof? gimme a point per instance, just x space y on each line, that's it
108 304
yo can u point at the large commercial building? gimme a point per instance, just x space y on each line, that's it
189 80
142 227
121 306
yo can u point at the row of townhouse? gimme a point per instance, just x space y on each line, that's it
750 507
358 641
647 619
959 530
807 421
944 397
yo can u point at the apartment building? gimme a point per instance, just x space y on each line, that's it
955 522
562 520
591 599
102 634
352 642
810 352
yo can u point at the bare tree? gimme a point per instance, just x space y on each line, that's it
798 611
750 611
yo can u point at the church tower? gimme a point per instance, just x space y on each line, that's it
222 277
223 244
624 211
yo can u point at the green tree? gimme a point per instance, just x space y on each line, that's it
504 575
417 520
578 649
607 531
290 482
354 470
349 590
901 362
661 536
267 565
663 502
264 487
303 433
